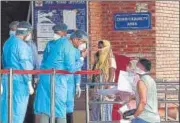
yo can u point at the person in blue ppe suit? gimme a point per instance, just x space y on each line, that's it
58 54
35 78
73 83
74 86
36 63
12 32
31 43
17 55
13 27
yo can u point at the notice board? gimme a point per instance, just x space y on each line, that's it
45 14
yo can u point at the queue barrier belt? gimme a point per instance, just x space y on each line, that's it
51 71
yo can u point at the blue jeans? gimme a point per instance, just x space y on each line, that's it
138 120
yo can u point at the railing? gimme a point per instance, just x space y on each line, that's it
163 87
173 90
168 88
53 72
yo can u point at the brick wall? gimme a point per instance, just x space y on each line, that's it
167 40
123 42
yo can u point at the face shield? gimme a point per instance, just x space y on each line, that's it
28 37
131 66
24 29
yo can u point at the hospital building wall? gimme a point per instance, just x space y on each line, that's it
167 40
159 44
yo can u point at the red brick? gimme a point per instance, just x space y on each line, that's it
101 21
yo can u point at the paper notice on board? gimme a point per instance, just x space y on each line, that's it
69 18
45 30
41 42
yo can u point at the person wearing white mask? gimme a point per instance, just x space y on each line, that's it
12 32
27 39
60 55
146 96
60 30
35 78
18 56
73 82
74 86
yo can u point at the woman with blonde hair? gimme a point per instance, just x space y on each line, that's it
104 61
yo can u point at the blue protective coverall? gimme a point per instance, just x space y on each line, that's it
16 55
71 84
35 56
59 55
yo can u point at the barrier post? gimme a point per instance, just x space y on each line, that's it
166 106
87 103
0 95
101 99
52 85
10 93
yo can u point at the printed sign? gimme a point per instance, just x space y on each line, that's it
132 21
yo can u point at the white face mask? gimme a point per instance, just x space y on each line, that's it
128 69
28 38
68 35
12 32
56 36
82 46
139 71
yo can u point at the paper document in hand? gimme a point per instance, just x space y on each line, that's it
125 87
125 82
